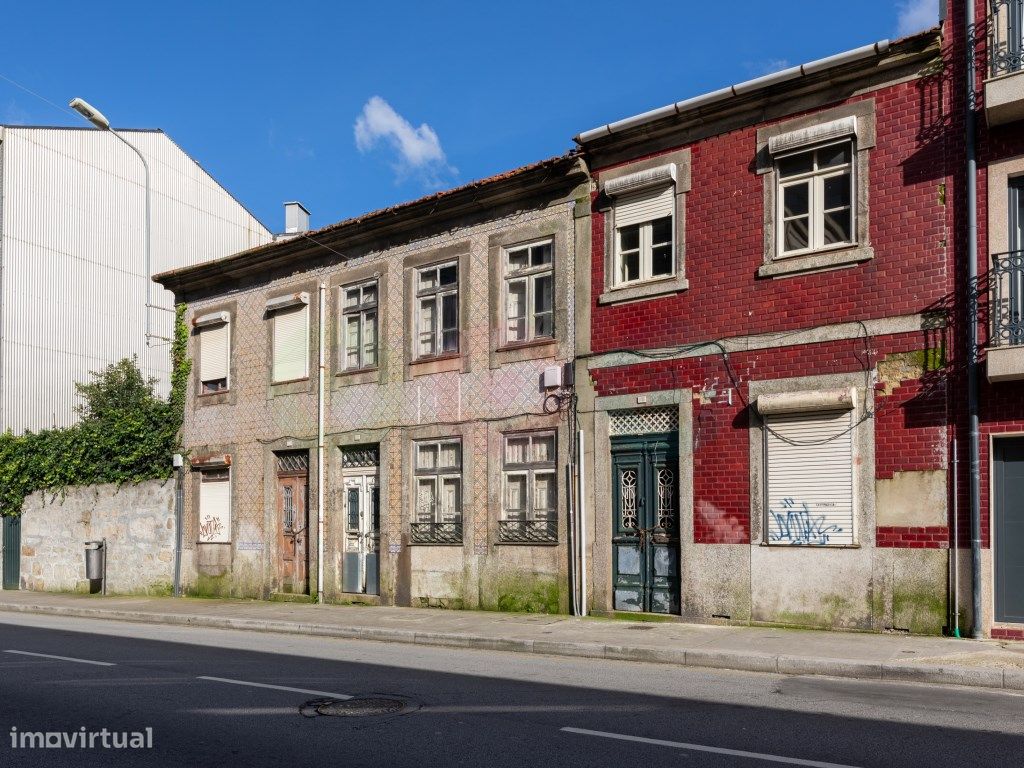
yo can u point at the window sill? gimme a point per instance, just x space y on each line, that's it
769 545
292 387
517 345
435 544
357 376
440 364
531 350
648 290
212 398
526 543
819 261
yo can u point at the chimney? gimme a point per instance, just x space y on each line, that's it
296 218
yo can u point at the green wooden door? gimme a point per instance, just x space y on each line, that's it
12 553
645 528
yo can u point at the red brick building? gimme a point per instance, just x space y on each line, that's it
765 380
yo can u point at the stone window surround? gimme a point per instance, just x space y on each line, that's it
459 252
410 437
495 473
661 286
305 384
349 276
863 453
498 244
999 176
195 471
230 395
831 258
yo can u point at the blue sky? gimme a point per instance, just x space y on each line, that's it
350 107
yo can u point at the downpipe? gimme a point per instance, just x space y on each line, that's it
320 448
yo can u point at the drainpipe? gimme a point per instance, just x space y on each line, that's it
972 328
179 466
320 451
582 518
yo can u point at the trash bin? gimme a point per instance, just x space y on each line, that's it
94 554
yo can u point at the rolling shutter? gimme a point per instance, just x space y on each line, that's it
215 507
810 478
291 343
214 352
644 206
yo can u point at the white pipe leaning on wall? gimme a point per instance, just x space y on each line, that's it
581 517
320 449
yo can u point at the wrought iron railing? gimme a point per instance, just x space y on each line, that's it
1005 36
437 533
1006 301
528 531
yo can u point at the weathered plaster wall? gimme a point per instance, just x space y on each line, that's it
136 520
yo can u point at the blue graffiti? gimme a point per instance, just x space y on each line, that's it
799 526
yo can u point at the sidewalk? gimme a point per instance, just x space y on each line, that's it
986 664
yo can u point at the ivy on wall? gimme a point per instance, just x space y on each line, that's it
127 433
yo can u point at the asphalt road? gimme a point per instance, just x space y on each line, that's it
225 698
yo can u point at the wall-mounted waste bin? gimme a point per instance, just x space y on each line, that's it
95 553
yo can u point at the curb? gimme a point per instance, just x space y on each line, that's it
743 661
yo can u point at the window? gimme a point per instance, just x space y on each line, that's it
815 194
643 236
529 492
529 293
359 325
214 352
438 475
437 310
215 505
809 478
291 343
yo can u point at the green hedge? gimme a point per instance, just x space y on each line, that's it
126 434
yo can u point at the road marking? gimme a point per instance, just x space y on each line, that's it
63 658
274 687
703 748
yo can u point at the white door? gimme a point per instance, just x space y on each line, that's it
362 533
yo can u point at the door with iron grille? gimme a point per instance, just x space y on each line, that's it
362 520
293 521
645 526
11 552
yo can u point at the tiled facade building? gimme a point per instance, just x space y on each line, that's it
445 437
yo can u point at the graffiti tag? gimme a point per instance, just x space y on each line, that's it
798 526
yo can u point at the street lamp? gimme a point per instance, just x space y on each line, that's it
97 118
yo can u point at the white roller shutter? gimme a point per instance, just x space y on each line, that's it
810 478
291 343
644 206
214 352
214 509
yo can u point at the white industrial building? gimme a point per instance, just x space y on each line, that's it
72 258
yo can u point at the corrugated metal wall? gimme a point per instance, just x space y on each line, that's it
73 258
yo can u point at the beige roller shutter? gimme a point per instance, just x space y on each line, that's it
214 352
215 507
810 478
644 206
291 343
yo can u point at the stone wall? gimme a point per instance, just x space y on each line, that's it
136 520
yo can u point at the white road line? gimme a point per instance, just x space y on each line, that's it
63 658
274 687
703 748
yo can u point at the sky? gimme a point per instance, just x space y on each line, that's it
350 107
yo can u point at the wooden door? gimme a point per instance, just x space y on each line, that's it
293 519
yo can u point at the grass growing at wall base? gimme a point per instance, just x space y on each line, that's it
127 433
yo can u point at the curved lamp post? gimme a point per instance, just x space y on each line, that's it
97 118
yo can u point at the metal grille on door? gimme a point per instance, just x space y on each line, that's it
644 421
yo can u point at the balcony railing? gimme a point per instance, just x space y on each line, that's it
528 531
1005 37
437 533
1006 283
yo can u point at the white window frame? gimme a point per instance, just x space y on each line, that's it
438 476
360 313
529 275
645 249
203 478
277 313
203 382
815 181
435 294
530 469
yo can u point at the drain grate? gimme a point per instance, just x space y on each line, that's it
365 706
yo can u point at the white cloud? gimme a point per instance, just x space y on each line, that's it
916 16
418 149
14 114
758 68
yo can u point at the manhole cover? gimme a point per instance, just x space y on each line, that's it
364 706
